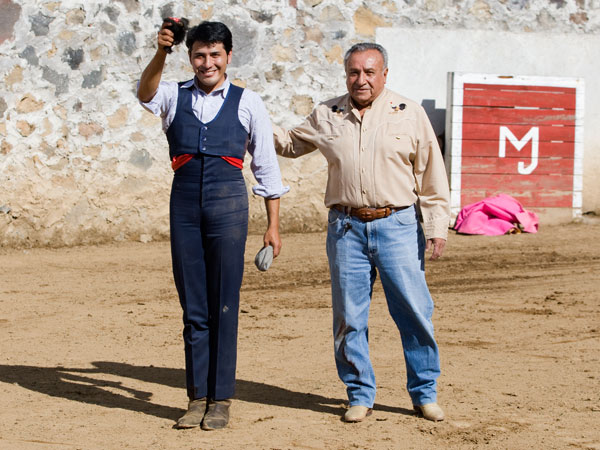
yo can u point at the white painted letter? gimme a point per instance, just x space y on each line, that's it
533 135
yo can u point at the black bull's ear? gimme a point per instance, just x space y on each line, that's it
179 27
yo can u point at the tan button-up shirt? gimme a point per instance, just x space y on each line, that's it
389 157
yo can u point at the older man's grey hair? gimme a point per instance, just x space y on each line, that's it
363 46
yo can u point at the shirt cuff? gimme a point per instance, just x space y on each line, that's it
262 191
437 228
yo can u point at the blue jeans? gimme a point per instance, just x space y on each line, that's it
394 247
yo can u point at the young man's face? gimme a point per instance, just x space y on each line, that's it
365 76
209 62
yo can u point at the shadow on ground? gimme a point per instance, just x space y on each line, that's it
81 385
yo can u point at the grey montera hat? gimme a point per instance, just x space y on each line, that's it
264 258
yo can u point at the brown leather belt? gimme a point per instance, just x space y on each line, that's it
368 214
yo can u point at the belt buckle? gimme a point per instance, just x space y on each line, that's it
367 215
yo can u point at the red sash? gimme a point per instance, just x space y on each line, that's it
180 160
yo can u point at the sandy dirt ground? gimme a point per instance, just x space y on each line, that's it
92 358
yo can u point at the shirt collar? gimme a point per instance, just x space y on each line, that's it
222 90
373 104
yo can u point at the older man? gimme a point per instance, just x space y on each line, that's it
383 157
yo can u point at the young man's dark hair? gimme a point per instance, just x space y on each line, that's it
210 32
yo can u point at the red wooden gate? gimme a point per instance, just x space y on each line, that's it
521 136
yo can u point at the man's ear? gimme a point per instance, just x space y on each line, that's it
385 72
229 56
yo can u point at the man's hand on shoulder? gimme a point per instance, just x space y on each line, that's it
438 245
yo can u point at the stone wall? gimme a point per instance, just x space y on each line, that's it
82 162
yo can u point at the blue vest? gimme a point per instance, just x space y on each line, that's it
222 136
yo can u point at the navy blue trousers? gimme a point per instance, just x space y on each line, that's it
209 224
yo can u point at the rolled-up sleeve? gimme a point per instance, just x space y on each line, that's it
264 165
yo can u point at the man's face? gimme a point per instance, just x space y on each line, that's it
209 62
365 76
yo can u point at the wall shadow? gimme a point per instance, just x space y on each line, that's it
81 385
437 117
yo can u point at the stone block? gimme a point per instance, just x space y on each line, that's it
137 137
5 147
481 10
297 73
60 81
335 55
29 104
365 21
280 53
126 43
302 105
48 129
240 83
119 118
141 159
313 34
25 128
89 129
30 56
40 24
579 18
435 5
15 76
60 111
73 57
66 35
276 73
9 15
93 79
47 149
92 151
75 17
244 44
331 13
3 107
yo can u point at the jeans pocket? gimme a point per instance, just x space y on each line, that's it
335 222
406 217
333 217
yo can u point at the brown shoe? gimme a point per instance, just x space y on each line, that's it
357 413
193 417
430 411
217 415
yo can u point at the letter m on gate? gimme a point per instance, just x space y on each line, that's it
532 135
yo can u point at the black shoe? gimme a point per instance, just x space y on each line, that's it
193 417
217 415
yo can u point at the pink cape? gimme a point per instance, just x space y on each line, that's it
494 216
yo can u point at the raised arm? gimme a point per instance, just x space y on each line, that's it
152 73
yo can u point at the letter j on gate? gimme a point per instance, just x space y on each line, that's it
532 135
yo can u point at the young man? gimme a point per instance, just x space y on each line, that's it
210 124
